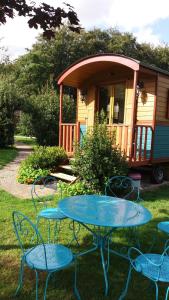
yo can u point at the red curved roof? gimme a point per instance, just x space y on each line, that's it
87 67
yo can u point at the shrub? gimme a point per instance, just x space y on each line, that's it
45 115
77 188
40 163
27 174
95 158
46 157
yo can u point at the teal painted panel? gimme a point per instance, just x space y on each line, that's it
161 142
82 131
148 144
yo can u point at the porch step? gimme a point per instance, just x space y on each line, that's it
64 177
66 167
71 159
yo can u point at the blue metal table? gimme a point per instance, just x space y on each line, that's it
103 211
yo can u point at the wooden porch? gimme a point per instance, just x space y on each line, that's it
135 143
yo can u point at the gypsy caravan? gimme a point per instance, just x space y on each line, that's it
135 99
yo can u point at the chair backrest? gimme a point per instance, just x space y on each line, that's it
43 191
28 235
119 186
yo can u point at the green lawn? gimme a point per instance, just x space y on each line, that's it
90 277
7 155
26 140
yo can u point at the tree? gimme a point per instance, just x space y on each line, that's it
47 59
44 16
44 114
9 103
32 71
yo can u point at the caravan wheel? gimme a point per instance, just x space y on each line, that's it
158 174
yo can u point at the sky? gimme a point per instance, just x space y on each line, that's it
148 20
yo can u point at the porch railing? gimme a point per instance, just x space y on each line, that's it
137 148
122 137
69 134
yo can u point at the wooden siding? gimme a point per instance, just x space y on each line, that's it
81 108
91 96
162 96
161 142
145 109
86 111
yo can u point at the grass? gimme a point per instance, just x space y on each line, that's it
90 277
26 140
7 155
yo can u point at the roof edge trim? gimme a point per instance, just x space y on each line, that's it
123 60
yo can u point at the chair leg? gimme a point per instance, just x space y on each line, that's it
37 281
20 284
156 285
167 292
37 225
123 294
137 240
37 221
138 195
48 231
75 282
74 233
108 255
46 284
57 230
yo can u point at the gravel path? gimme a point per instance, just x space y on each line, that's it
8 176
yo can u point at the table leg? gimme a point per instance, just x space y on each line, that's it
100 246
104 266
101 240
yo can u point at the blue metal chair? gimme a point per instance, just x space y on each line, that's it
120 186
38 255
124 187
153 266
41 200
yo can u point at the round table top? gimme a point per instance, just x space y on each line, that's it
104 211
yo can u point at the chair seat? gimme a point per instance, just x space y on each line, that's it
163 226
51 213
154 272
57 257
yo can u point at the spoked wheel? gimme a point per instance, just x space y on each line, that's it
158 174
